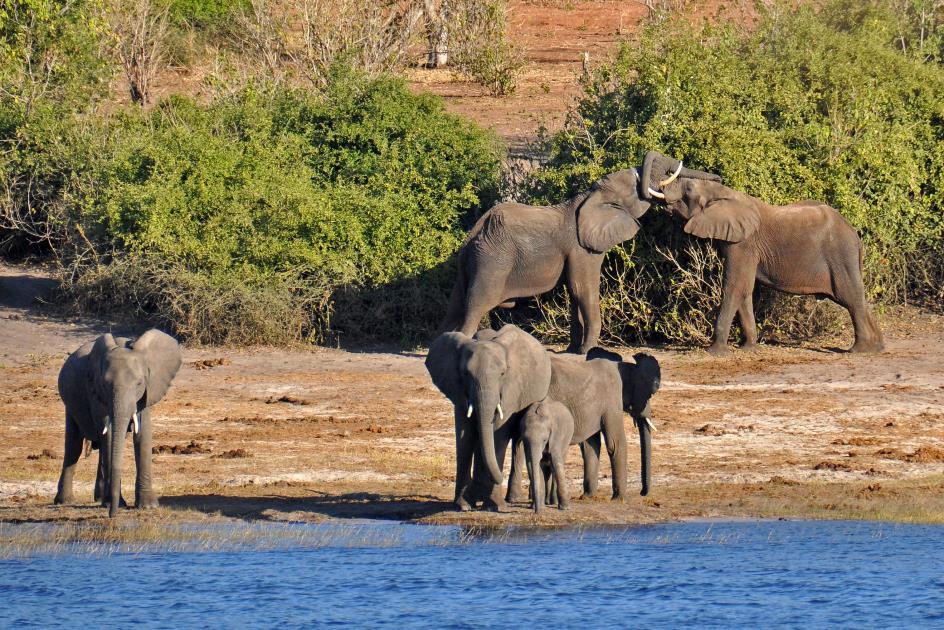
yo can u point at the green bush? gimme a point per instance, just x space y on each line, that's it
815 103
355 192
204 13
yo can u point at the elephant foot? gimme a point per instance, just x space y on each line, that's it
619 496
495 506
749 346
719 350
63 499
462 505
563 506
121 502
145 500
516 496
867 346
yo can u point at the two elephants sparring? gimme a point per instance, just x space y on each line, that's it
507 390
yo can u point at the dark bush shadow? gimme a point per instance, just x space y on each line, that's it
354 505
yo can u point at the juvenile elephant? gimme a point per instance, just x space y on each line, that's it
490 379
516 250
108 388
597 390
806 248
546 430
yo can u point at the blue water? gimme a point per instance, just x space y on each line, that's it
753 574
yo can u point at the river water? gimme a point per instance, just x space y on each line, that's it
388 575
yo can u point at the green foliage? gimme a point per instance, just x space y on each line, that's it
817 104
205 14
479 45
281 193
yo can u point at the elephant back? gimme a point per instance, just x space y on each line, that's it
529 368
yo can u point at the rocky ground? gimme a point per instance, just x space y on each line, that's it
317 433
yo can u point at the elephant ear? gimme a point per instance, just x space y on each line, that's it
528 374
601 223
442 363
725 220
162 356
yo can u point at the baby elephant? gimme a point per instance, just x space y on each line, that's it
108 387
546 430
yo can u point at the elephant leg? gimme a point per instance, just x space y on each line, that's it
100 477
850 294
515 485
533 451
739 273
465 447
495 501
590 449
576 326
560 481
583 282
748 325
72 451
482 296
547 469
144 495
615 435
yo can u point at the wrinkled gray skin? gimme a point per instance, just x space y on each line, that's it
806 248
597 390
507 369
517 250
546 430
103 385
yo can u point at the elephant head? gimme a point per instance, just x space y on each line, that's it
608 213
489 377
126 378
711 210
641 380
658 171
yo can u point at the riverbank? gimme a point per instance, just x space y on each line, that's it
317 434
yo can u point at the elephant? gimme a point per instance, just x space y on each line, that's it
108 387
806 248
516 250
597 390
546 429
490 379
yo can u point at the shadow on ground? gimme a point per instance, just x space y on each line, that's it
354 505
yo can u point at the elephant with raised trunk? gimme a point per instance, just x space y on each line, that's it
805 248
516 250
108 387
490 379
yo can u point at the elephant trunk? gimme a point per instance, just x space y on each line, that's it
118 427
486 405
645 453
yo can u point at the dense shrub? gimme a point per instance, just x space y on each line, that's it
279 197
814 103
205 14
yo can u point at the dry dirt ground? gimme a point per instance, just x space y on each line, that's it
312 434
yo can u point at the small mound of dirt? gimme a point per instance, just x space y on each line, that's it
783 481
374 428
832 466
44 454
236 453
858 441
922 455
194 448
206 364
710 429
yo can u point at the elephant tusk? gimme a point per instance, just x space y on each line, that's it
137 422
501 414
656 194
105 430
469 412
651 426
672 178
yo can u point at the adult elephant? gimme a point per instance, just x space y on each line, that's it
108 387
516 250
598 390
806 248
491 379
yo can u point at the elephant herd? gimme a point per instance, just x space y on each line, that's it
505 387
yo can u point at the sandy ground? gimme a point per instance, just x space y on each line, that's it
310 434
